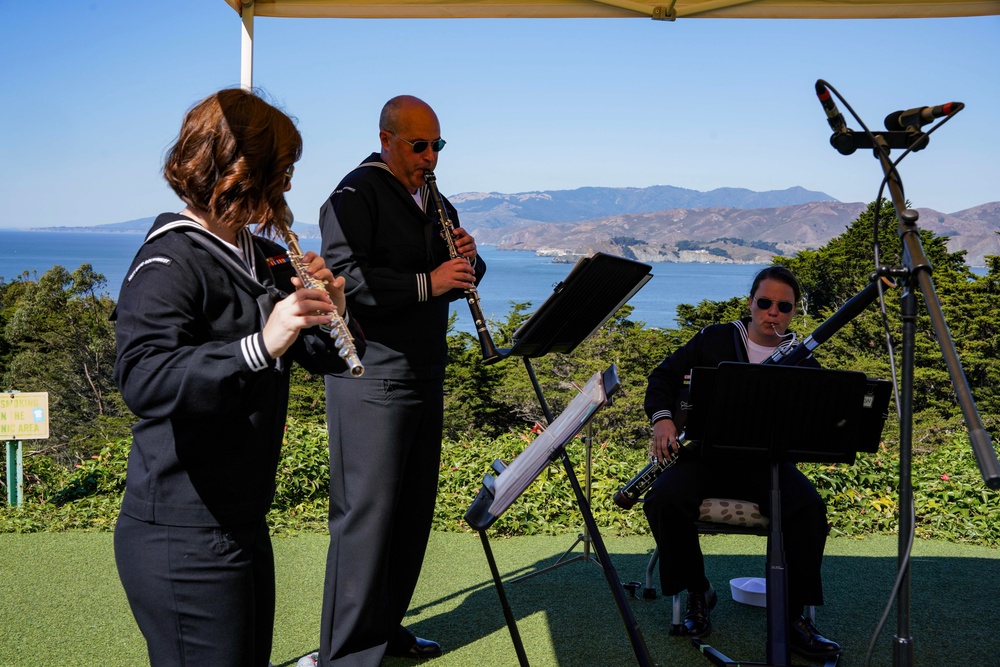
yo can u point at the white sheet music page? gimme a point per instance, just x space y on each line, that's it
526 467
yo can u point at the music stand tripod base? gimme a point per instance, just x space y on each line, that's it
583 537
721 660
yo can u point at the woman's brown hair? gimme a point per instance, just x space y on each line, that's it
230 159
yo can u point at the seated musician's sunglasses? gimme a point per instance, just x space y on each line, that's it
420 145
783 306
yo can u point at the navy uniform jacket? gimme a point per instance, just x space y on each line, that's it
385 246
191 364
667 390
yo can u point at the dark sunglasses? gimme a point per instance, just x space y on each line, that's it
290 171
783 306
420 145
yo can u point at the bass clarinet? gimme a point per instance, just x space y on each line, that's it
337 328
786 355
489 350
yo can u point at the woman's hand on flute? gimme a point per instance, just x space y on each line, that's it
317 269
300 310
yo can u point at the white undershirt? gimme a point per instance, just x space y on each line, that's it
758 353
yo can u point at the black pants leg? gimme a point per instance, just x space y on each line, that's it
672 504
201 596
385 452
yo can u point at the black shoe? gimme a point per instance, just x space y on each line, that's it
697 620
405 645
806 640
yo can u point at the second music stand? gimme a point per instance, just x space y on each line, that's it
591 293
826 416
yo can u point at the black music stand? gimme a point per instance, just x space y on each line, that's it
591 293
826 416
499 491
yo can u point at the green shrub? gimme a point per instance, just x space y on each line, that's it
951 501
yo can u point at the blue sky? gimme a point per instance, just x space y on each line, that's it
94 93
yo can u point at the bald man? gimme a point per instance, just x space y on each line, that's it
382 233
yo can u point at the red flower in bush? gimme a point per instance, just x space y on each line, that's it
945 477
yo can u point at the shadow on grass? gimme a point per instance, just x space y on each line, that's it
60 596
568 615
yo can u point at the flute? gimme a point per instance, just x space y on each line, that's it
337 328
489 350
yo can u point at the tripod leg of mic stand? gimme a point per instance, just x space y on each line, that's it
902 648
515 636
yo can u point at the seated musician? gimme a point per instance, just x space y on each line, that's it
672 504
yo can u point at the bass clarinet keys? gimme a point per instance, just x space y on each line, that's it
627 496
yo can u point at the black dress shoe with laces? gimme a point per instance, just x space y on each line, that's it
698 620
805 639
405 645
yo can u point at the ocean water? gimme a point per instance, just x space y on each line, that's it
512 276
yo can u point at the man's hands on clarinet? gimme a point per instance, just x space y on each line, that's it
465 245
456 273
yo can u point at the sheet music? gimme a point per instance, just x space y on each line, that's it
526 467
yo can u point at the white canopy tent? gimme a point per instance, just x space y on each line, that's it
665 10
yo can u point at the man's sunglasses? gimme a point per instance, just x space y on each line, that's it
783 306
420 145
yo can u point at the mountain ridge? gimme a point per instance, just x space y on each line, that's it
492 209
647 224
721 235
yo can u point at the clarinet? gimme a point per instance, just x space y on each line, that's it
489 350
337 328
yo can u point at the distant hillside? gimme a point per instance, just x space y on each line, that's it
142 225
139 225
489 210
729 235
975 230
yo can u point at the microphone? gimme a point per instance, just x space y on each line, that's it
841 138
917 118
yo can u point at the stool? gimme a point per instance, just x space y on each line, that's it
716 516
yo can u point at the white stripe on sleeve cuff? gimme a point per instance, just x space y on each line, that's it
423 286
661 414
254 353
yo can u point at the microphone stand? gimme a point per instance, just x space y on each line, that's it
917 273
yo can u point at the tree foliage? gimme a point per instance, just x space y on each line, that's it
59 339
55 336
970 305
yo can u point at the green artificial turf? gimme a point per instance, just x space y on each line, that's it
61 602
